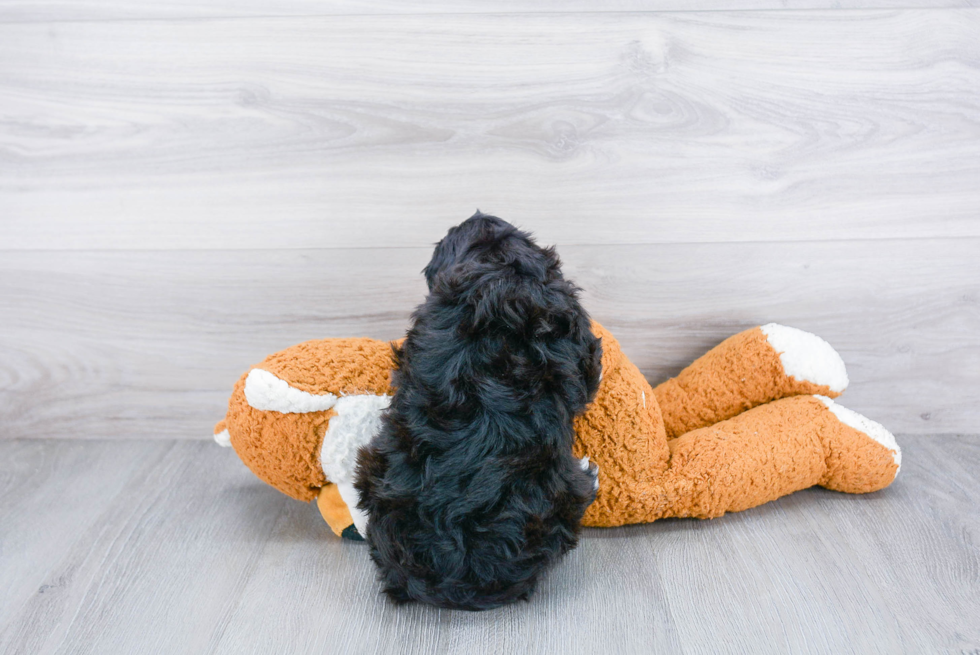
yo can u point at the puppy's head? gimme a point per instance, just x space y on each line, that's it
502 282
487 238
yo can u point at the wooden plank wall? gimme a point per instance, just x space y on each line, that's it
60 10
185 187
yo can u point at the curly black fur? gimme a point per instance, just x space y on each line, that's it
471 487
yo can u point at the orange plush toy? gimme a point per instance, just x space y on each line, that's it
746 423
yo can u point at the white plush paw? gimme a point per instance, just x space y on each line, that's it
593 469
862 423
807 357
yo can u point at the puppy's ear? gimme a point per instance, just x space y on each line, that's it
591 365
589 350
370 471
442 258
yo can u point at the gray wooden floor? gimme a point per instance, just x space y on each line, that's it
174 547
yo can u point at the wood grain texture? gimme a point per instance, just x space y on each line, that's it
149 344
19 11
175 547
602 128
188 186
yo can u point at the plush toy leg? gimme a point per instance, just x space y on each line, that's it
766 453
623 434
854 464
747 370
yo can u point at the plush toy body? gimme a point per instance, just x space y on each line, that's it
748 422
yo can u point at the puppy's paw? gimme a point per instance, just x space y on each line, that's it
593 469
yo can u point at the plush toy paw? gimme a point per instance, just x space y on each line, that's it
593 470
806 357
862 455
746 370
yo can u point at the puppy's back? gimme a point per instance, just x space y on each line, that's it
471 487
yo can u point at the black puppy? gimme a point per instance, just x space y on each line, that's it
470 487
